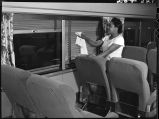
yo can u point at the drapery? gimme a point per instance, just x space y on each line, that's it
7 49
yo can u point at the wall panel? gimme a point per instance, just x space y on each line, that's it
88 9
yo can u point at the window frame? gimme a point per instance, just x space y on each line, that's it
103 9
45 69
64 66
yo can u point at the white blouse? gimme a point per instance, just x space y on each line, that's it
117 40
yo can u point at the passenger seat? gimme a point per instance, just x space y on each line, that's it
55 99
6 107
93 78
13 82
151 45
129 79
152 66
135 52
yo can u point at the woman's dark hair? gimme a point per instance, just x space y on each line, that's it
117 23
100 31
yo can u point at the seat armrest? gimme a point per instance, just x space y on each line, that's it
151 105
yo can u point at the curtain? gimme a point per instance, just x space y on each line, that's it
7 49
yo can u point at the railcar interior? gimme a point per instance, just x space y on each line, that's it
44 73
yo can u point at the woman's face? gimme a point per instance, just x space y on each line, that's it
111 28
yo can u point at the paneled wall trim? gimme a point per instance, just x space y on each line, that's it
88 9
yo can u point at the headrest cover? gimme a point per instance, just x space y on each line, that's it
135 52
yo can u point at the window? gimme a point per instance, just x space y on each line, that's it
132 31
139 32
38 40
88 25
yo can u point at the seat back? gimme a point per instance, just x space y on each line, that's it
152 65
151 45
13 81
92 69
152 60
135 52
129 76
6 107
54 98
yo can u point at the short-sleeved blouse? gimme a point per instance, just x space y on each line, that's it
117 40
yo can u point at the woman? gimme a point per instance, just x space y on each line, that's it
113 42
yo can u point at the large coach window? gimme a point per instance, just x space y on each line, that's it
139 32
88 25
47 43
37 42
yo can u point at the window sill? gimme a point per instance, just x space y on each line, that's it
59 72
51 71
46 70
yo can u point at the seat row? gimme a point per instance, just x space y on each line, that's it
35 96
149 56
125 80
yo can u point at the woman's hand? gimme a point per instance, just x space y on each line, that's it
78 33
81 35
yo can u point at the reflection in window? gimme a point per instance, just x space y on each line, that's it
37 41
37 50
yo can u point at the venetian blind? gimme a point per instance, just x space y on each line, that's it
72 26
37 22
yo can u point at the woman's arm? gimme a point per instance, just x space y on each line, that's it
111 49
91 42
